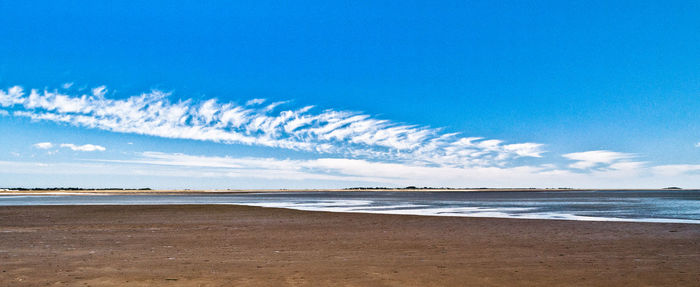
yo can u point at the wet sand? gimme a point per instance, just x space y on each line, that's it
235 245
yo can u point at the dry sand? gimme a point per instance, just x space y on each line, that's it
234 245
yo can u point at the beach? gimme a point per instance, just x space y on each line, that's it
219 245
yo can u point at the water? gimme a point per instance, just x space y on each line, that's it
636 206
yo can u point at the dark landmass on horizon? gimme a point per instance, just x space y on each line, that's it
147 190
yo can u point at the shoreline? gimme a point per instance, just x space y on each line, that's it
211 198
240 245
599 220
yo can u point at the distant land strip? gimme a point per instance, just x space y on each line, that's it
77 190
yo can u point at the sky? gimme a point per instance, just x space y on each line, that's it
333 94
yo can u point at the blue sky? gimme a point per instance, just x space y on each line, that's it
270 94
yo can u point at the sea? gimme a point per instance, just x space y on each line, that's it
671 206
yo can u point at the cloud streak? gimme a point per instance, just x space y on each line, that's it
85 147
43 145
349 134
598 158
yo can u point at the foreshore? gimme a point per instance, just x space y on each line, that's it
214 245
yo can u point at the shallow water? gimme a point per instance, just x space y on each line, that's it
637 206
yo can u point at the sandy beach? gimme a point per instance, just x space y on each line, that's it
235 245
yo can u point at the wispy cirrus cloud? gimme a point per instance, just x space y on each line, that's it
254 102
345 133
99 91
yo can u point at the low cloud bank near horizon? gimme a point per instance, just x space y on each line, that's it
342 172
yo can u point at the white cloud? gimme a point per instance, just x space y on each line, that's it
697 144
67 85
43 145
272 106
676 169
12 96
595 158
525 149
85 147
254 102
627 165
4 113
347 134
99 91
